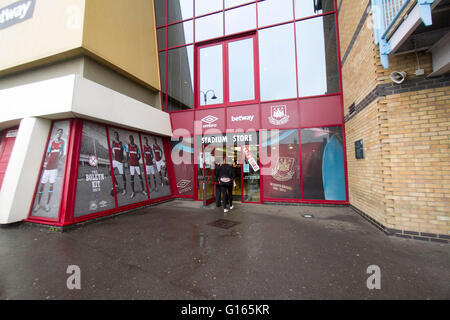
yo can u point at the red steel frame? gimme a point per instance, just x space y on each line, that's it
68 192
254 34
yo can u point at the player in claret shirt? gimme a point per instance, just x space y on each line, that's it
117 150
134 155
160 164
55 153
149 165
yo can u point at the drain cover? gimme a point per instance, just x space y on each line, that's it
223 223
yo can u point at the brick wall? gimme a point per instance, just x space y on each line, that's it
403 181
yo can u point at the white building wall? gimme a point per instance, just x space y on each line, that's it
24 165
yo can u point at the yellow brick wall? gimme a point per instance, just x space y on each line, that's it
417 158
403 181
365 176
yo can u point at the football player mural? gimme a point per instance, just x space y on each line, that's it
127 164
155 166
46 202
94 183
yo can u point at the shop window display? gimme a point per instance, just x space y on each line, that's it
94 192
280 158
128 177
323 163
47 198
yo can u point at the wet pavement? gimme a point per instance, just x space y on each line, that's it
179 250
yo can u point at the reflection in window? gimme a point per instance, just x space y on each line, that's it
240 19
160 12
323 163
276 63
274 11
161 34
317 56
241 70
183 159
280 157
209 27
180 78
180 33
309 8
180 10
207 6
233 3
211 75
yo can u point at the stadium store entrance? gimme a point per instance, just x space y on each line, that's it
279 153
241 150
91 170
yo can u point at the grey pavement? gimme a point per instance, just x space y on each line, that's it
170 251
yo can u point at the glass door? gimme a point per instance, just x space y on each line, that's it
250 174
205 175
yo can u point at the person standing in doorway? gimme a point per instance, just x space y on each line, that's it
226 177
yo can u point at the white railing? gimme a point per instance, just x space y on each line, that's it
385 15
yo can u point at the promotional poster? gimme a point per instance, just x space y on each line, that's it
47 198
283 178
323 163
94 191
127 162
183 158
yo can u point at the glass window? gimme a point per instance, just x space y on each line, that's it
129 178
211 75
281 165
309 8
276 63
207 6
94 184
240 19
274 11
160 12
241 70
155 166
48 194
233 3
209 27
180 10
180 33
183 158
162 70
161 34
323 163
317 60
180 78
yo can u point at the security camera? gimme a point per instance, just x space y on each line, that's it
398 76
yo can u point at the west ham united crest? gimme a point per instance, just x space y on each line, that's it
278 115
284 169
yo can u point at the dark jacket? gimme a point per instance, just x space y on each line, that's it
225 171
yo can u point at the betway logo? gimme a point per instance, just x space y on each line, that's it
209 119
16 12
242 118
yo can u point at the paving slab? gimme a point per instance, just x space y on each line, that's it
178 250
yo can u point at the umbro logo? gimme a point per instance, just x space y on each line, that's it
209 120
183 183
